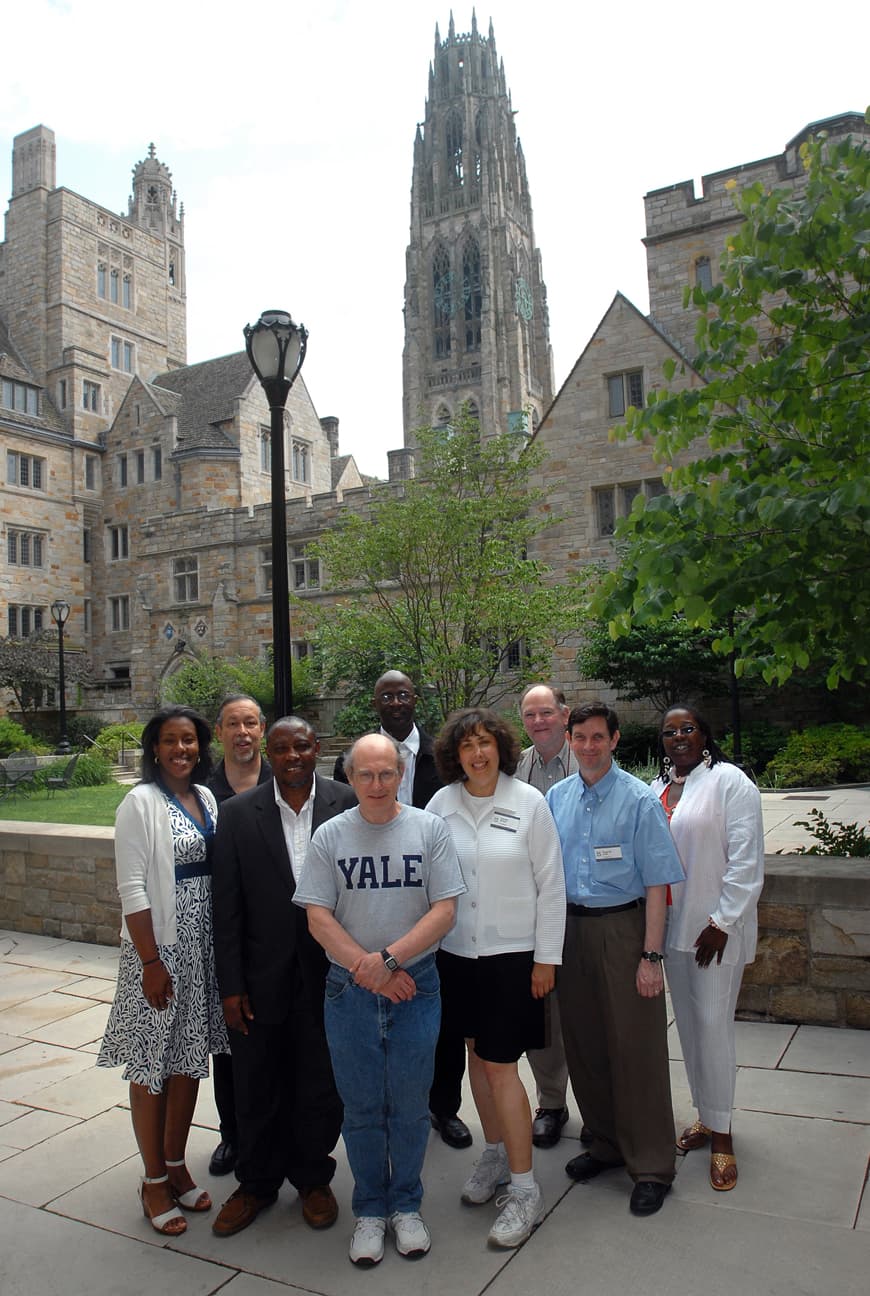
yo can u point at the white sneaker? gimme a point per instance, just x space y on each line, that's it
489 1173
367 1243
523 1210
412 1235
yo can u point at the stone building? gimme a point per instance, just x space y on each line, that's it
590 480
476 321
137 486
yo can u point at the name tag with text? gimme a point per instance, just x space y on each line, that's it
608 852
504 819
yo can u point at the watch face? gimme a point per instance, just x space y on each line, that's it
523 296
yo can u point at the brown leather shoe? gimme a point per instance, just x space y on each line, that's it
238 1211
319 1207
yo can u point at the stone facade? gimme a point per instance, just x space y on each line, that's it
813 960
589 480
138 487
476 320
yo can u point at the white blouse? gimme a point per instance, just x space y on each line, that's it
718 831
512 866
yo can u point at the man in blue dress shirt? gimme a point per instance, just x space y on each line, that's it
619 860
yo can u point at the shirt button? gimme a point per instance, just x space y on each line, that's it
474 904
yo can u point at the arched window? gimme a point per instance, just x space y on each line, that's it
704 273
454 149
472 294
443 417
442 301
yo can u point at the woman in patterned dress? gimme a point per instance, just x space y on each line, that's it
166 1018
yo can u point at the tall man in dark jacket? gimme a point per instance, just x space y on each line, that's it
239 727
394 701
271 975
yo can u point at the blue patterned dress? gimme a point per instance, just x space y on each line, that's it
150 1044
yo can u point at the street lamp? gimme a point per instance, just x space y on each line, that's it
276 349
60 615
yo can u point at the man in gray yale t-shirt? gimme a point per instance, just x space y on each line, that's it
379 885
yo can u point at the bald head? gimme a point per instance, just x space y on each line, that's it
394 701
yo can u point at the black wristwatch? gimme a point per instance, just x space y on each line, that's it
653 956
389 961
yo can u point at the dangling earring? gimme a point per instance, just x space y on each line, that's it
706 758
666 764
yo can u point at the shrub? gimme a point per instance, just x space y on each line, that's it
638 745
836 753
13 738
834 838
110 740
92 770
760 742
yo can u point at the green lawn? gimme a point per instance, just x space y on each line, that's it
87 805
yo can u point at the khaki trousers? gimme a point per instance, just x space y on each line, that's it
616 1045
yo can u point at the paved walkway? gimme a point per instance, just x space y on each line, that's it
798 1221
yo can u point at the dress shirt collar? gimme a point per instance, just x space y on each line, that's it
604 786
283 805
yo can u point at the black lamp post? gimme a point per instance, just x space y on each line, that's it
60 615
276 350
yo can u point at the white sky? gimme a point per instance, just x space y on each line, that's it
289 131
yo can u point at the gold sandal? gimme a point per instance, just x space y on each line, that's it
693 1137
722 1161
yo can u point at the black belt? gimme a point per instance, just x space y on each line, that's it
594 911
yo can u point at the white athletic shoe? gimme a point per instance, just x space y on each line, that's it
489 1173
367 1243
412 1235
523 1210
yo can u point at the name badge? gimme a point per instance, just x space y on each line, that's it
504 819
608 852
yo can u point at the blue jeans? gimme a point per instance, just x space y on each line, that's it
382 1057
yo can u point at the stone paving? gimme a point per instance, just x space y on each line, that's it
798 1221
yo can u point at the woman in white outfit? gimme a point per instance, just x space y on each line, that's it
715 817
499 961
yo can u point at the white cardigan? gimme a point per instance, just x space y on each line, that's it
145 859
516 884
719 833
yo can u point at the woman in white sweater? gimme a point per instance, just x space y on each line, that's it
499 962
166 1018
715 817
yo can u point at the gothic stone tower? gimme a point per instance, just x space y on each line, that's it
476 324
91 297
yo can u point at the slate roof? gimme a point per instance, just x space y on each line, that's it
12 365
205 396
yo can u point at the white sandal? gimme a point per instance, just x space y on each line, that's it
160 1223
194 1199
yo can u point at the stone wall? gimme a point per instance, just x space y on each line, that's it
812 966
813 960
59 880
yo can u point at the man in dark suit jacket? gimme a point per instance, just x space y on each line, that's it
395 699
271 975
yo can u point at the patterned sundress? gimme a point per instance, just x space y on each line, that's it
150 1044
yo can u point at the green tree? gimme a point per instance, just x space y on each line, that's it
667 662
204 682
771 518
29 666
437 577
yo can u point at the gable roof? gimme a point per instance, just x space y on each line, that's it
205 396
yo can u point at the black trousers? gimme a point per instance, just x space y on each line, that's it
224 1096
288 1110
445 1096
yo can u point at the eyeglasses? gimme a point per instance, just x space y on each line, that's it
402 696
381 776
683 731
